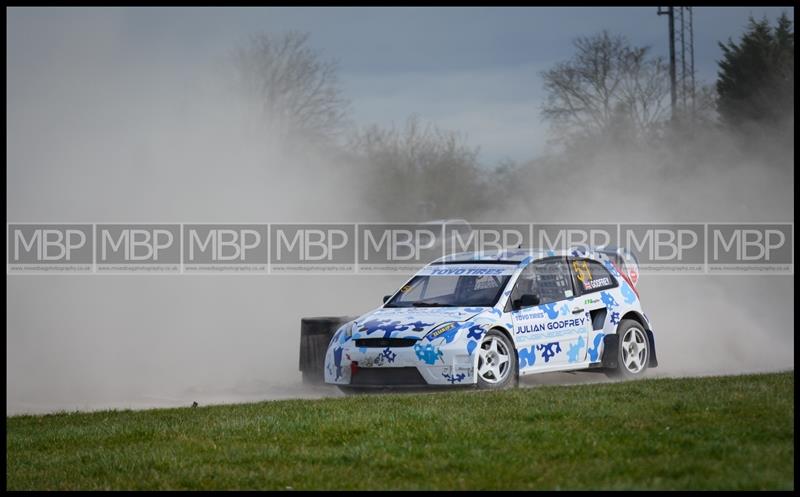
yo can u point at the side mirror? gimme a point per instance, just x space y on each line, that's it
386 298
525 300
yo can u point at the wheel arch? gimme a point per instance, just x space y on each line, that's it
639 318
505 332
636 316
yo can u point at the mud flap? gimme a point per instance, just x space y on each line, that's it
653 362
315 336
610 351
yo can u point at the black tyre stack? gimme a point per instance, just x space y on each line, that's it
315 335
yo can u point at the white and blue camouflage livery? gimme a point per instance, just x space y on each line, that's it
487 318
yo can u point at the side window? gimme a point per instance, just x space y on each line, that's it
552 280
591 276
524 284
548 278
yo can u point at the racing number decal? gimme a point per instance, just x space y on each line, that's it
582 273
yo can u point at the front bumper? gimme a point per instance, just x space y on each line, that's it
422 364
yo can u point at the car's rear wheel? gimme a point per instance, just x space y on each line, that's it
633 352
497 363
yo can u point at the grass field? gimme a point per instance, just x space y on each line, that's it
734 432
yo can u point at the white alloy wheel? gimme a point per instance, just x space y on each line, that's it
634 350
494 359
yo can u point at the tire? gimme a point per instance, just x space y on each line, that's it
633 351
497 362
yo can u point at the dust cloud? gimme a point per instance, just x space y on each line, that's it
97 134
720 324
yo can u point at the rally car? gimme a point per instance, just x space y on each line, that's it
484 319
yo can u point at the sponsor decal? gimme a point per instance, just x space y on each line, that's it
551 325
441 331
529 315
598 283
583 273
370 362
467 270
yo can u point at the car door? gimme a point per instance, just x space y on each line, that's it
595 295
555 332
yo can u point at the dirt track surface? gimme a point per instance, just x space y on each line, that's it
258 391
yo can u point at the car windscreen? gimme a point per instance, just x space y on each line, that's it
454 286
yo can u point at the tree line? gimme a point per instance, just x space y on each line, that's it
609 94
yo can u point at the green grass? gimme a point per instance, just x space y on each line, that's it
734 432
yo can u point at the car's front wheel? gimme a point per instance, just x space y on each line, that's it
633 351
497 363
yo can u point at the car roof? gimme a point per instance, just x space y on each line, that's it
522 256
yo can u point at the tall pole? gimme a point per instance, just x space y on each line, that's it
691 57
673 96
684 77
673 82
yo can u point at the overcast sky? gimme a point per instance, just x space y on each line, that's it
472 70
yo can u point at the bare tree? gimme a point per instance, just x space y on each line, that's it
607 86
297 91
420 172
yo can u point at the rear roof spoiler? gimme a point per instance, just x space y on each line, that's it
624 259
